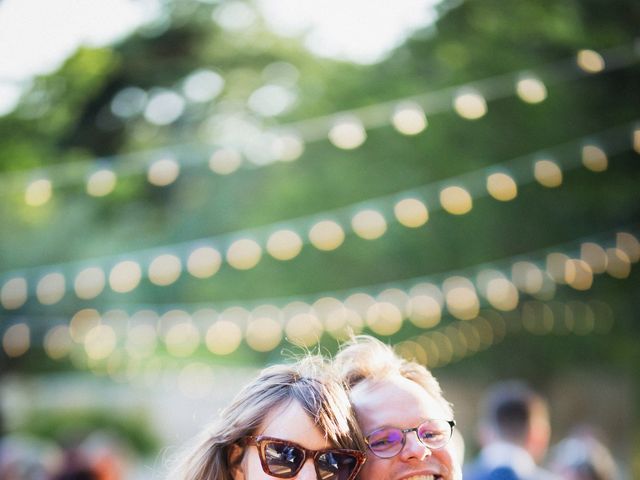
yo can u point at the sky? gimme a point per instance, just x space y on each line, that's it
37 36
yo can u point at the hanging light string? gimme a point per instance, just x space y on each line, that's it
303 319
345 129
243 250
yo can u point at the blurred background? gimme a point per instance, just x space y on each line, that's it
194 189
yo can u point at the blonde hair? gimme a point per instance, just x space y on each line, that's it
367 359
310 381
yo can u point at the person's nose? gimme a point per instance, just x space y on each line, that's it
414 448
308 471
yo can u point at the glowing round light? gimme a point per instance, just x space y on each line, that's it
182 339
326 235
82 322
271 100
412 351
531 90
548 288
547 173
38 192
470 104
100 342
502 187
502 294
263 334
527 277
225 161
456 200
14 293
590 61
347 133
411 212
578 274
203 86
101 183
636 139
164 107
244 254
165 270
50 288
595 256
461 298
89 283
142 340
396 297
556 266
343 322
287 148
360 303
163 172
629 244
384 318
428 289
618 263
409 119
223 337
304 329
57 342
424 311
594 158
16 340
125 276
204 262
284 245
369 224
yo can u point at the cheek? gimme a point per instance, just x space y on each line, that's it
250 468
376 468
448 459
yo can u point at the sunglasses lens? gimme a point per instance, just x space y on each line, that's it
336 465
283 460
386 442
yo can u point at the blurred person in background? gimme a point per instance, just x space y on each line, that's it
406 421
292 421
514 432
581 456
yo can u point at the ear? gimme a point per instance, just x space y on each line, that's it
236 455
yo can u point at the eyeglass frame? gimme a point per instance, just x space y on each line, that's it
259 441
452 424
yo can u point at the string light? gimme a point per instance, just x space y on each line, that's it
404 114
203 258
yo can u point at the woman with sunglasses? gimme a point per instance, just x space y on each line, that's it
293 421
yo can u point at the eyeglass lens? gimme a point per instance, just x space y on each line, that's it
388 442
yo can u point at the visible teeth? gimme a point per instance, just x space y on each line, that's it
421 477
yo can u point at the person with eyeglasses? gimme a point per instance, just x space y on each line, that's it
404 417
293 421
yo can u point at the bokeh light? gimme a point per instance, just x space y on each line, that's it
57 342
125 276
590 61
163 172
100 342
618 263
347 133
326 235
16 340
409 118
502 187
225 161
203 262
594 158
263 334
165 269
14 293
101 183
456 200
531 89
411 212
470 104
223 337
89 283
244 254
384 318
287 147
51 288
369 224
547 173
38 192
284 245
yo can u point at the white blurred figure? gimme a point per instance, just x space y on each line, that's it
581 456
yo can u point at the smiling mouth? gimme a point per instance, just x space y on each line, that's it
424 477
